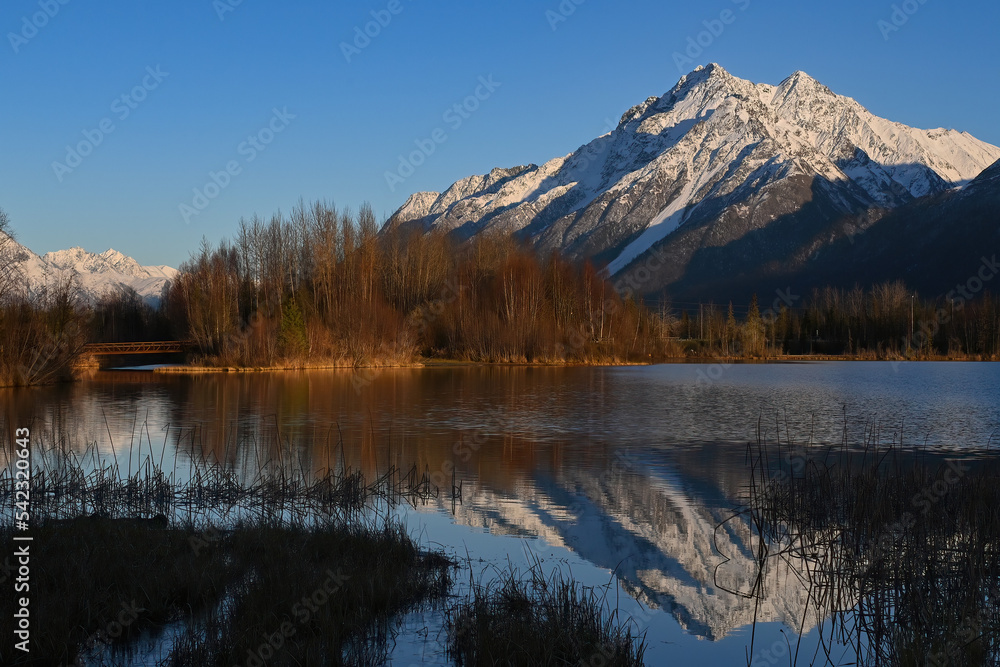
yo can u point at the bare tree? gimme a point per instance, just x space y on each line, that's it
12 256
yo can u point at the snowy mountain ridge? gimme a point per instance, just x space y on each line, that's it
716 154
78 259
95 273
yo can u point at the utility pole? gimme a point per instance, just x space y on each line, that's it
701 322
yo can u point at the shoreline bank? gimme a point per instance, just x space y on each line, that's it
196 369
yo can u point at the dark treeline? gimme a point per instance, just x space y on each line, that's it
886 321
327 286
120 315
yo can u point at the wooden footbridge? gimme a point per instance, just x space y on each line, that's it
153 347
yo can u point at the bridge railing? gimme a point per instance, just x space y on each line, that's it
146 347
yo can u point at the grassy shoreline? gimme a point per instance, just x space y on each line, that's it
195 369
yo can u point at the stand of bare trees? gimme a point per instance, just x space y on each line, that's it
326 286
40 335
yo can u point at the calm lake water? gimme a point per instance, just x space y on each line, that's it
624 477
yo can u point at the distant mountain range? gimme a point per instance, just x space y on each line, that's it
723 187
95 273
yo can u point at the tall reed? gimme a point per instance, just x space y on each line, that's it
898 551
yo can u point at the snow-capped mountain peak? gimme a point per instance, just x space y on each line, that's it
716 156
94 273
799 80
109 261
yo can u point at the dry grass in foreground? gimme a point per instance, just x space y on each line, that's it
105 591
540 621
279 568
900 552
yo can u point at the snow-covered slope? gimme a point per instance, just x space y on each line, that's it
715 150
94 274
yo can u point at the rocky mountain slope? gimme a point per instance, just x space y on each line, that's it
717 185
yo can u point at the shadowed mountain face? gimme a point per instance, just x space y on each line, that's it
719 185
944 245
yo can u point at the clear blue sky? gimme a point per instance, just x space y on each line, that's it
559 81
